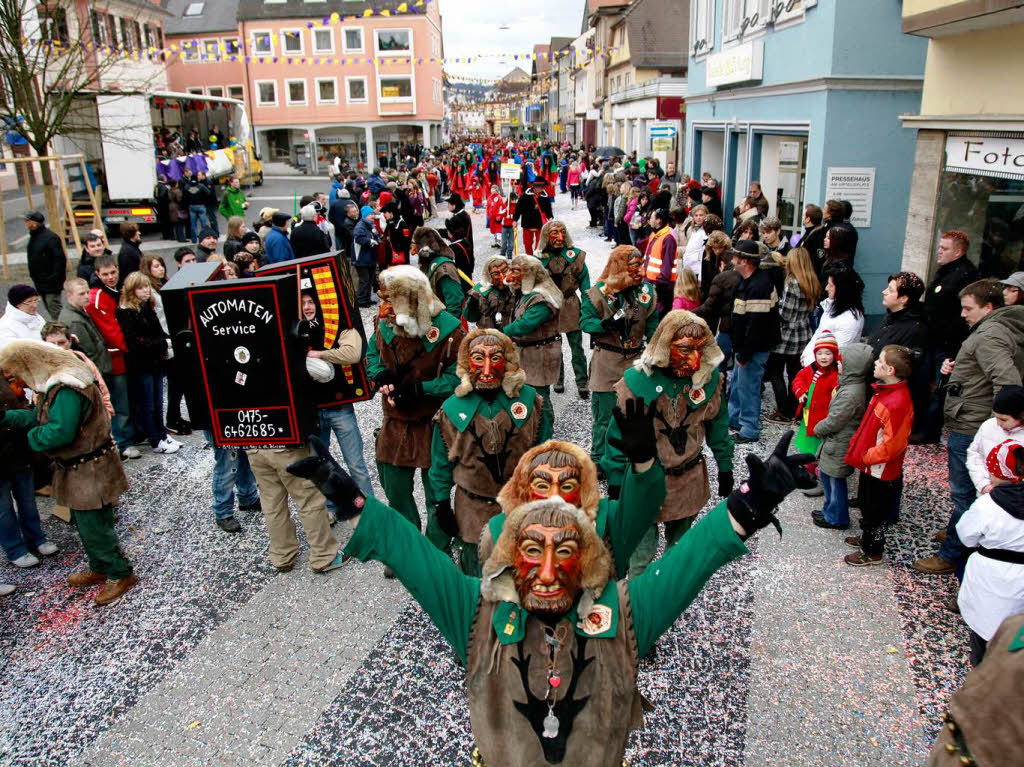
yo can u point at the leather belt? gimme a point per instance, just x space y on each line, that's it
675 471
92 455
478 497
538 342
624 351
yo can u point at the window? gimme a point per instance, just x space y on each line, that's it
702 27
291 41
194 9
435 45
211 49
395 89
150 33
126 33
137 34
438 92
743 17
326 90
99 27
231 46
192 50
352 40
323 40
626 81
159 36
393 41
296 92
266 93
195 90
54 24
215 90
112 30
236 92
261 44
355 90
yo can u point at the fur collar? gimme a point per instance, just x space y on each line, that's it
415 304
536 279
42 366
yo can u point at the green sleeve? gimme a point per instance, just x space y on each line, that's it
374 367
19 419
651 326
614 462
532 319
547 426
584 280
225 206
451 296
440 473
590 319
632 515
444 385
716 433
471 309
62 427
448 596
668 586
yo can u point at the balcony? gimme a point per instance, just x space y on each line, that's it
954 17
662 86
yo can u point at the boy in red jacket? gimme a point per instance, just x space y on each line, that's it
877 451
495 214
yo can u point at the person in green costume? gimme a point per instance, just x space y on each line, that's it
490 302
567 266
550 640
678 375
480 433
411 359
619 313
437 261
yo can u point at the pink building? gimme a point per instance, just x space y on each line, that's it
357 88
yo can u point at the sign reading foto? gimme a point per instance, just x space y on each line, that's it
739 64
985 155
856 185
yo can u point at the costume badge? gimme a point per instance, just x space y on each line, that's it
697 395
645 297
518 410
433 334
938 288
598 620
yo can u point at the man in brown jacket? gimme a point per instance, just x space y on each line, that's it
567 266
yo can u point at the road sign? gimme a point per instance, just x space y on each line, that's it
511 171
659 144
663 130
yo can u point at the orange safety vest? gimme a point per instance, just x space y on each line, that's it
655 247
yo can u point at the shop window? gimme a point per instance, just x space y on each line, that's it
353 40
702 27
393 41
395 89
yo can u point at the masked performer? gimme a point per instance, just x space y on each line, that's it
619 313
411 358
568 269
549 639
491 302
480 434
534 326
678 373
437 261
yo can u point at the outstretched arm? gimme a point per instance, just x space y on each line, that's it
631 516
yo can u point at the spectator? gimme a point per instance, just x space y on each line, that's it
59 334
233 241
207 246
942 314
375 183
156 270
92 248
130 255
756 194
233 203
21 318
146 352
177 212
770 230
746 211
838 250
847 215
265 222
336 214
693 235
842 311
987 457
687 291
716 310
813 238
278 247
47 264
1013 289
991 357
364 258
308 239
75 317
799 294
252 249
660 264
755 332
211 202
184 256
162 195
710 199
193 200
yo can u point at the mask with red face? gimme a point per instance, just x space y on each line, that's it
685 355
548 568
487 363
547 481
556 238
514 278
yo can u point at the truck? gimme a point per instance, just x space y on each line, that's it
117 133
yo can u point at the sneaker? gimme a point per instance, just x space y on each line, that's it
852 540
131 452
47 549
229 525
860 559
25 560
5 589
818 518
934 565
114 590
167 446
254 506
939 535
340 560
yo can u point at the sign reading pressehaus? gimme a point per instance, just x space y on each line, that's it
987 156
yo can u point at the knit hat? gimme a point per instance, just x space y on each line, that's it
1009 401
1015 280
249 237
827 341
365 211
20 293
207 233
747 249
35 215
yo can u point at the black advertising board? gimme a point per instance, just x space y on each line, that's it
325 309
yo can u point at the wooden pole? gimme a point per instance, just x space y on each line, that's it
97 217
72 224
3 235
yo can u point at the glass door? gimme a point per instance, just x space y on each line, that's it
792 183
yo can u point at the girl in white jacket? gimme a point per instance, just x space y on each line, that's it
988 453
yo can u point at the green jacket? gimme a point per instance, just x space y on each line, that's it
66 415
451 294
591 320
451 599
532 319
89 337
231 204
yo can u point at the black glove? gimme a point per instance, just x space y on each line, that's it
406 395
618 326
725 483
446 518
638 442
385 378
330 479
768 484
472 304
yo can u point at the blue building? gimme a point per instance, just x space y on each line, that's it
805 96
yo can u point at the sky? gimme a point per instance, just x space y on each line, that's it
472 27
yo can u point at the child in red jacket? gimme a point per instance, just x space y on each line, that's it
495 214
877 451
813 388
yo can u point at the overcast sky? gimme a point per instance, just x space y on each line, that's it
472 27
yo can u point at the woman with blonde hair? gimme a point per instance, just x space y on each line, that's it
687 291
799 296
146 351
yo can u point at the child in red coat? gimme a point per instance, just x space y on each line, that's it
877 451
495 214
813 388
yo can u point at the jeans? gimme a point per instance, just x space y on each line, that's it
211 217
121 427
963 494
724 341
508 236
574 192
341 421
19 530
745 396
146 393
175 393
837 509
196 214
231 472
181 231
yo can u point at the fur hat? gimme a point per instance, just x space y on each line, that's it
537 278
485 277
41 365
415 303
616 271
515 376
657 353
517 490
542 243
429 246
498 583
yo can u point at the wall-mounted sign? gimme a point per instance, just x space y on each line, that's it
987 156
671 108
789 154
661 144
739 64
857 185
557 128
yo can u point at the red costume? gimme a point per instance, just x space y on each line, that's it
496 209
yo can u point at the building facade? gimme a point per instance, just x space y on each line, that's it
805 97
968 169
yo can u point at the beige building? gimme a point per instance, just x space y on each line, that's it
969 161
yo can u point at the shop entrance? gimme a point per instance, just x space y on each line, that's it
783 170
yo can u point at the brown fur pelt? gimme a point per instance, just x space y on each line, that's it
515 376
41 365
516 491
429 246
485 278
408 290
542 241
657 352
616 271
536 278
498 583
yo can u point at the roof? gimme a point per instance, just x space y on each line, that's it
541 62
655 28
258 10
560 43
217 16
591 6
